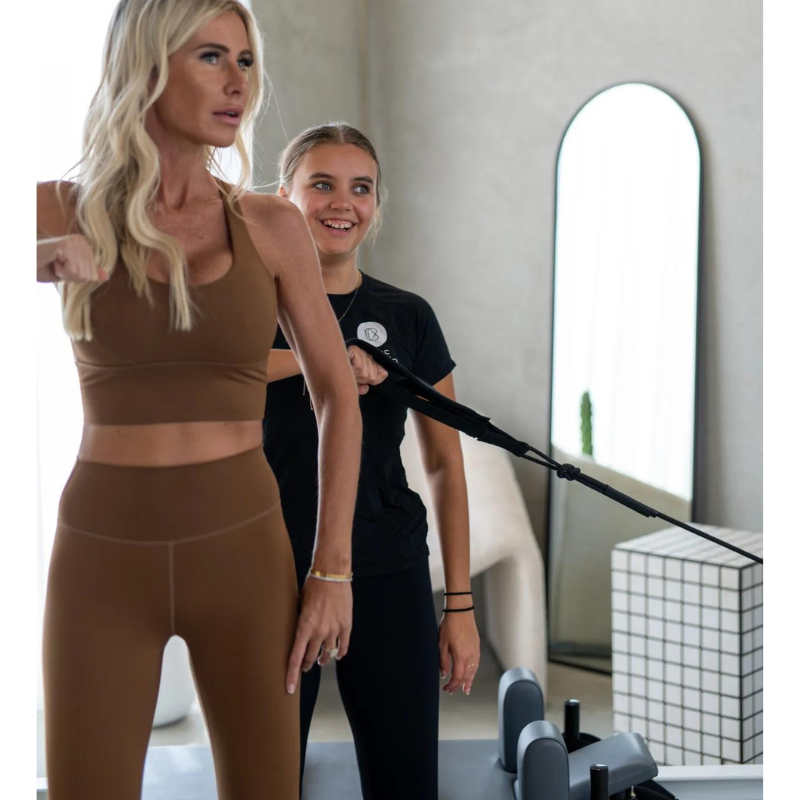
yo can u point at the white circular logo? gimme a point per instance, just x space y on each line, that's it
372 332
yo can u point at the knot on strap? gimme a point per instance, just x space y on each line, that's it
568 471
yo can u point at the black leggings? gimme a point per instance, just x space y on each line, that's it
389 683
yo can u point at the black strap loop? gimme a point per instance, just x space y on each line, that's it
568 471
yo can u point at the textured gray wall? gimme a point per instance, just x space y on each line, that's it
313 53
466 102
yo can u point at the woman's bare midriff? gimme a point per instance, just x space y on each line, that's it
168 444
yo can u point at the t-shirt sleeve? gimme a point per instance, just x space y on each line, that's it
280 342
432 360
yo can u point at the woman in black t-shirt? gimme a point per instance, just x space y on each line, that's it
388 682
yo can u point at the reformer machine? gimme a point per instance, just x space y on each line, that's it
529 761
532 760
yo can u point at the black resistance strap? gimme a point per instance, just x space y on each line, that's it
406 388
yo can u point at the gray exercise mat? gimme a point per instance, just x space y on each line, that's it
468 770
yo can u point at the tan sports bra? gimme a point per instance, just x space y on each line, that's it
138 371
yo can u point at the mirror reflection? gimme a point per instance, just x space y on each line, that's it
624 345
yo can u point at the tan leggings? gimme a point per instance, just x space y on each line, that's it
144 553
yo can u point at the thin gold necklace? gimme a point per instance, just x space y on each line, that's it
350 304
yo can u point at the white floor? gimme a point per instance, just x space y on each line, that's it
461 717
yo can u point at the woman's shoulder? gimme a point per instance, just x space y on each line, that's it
276 228
394 295
271 212
55 208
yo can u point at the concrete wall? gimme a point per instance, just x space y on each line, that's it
466 102
313 53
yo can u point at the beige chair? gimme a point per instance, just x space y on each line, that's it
502 545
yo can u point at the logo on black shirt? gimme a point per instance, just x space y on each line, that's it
372 332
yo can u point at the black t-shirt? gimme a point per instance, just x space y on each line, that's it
390 525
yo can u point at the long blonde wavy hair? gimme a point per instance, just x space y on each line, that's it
119 173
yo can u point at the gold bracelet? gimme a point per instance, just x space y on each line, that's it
330 576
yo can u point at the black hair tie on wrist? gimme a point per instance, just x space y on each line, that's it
454 610
448 594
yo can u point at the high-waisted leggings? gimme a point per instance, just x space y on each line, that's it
145 553
389 684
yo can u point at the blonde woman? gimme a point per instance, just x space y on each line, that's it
390 682
172 284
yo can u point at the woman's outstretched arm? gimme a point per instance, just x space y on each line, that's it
366 371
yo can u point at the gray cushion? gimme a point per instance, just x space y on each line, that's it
520 700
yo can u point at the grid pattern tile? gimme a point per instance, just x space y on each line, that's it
687 646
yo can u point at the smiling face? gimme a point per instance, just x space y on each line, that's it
207 87
334 187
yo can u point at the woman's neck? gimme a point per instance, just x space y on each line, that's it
183 173
341 277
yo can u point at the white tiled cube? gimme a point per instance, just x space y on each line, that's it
687 646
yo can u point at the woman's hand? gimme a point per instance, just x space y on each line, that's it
67 258
326 616
459 650
366 370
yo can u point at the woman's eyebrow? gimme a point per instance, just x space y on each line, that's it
325 176
223 47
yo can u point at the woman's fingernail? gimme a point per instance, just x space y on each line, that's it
443 674
290 688
466 691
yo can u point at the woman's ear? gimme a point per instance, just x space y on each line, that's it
282 191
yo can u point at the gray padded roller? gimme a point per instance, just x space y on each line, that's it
543 763
519 701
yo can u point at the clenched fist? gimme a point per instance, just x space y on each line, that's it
67 258
366 370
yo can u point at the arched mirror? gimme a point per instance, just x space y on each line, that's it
624 345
